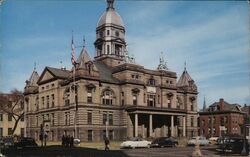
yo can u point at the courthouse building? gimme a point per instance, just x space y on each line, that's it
111 94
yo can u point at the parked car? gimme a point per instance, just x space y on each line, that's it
221 139
7 142
26 142
164 142
135 142
213 139
233 145
202 141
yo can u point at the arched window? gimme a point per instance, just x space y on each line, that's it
107 97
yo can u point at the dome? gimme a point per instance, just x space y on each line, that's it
110 17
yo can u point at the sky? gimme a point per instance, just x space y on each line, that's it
212 37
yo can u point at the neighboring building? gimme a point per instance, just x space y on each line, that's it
221 116
246 111
111 95
7 122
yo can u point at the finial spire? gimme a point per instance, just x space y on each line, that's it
204 104
185 66
84 42
34 66
110 4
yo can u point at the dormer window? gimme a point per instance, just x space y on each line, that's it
151 82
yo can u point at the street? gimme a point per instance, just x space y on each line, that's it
59 151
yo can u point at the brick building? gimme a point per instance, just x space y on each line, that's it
111 95
219 116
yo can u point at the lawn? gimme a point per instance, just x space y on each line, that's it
114 145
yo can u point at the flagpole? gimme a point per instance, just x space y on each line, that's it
74 84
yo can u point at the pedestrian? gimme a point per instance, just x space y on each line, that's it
67 141
71 141
106 141
41 138
63 140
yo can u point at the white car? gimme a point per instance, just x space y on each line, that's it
198 140
135 142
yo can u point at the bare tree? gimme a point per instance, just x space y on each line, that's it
13 105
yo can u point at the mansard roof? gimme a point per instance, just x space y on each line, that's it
105 72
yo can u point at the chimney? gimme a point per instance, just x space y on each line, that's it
221 104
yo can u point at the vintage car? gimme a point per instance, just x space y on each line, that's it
202 141
164 142
135 142
233 145
26 142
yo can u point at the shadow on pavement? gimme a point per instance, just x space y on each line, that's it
59 151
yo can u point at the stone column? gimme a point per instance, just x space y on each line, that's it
172 125
184 126
136 125
150 125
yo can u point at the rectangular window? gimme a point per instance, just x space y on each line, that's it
192 121
53 100
192 106
47 101
169 102
151 100
104 118
43 102
1 132
110 119
37 120
107 32
66 118
9 131
134 99
9 117
108 49
89 117
89 96
1 117
22 132
52 119
90 135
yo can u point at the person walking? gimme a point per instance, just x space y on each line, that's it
63 140
106 141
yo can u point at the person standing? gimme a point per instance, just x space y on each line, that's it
106 141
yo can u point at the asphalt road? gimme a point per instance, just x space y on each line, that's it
59 151
208 151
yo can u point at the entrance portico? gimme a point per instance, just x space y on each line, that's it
155 123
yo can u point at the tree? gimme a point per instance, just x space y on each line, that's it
13 105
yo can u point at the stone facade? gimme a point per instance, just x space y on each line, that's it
111 95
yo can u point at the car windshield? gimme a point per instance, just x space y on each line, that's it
135 139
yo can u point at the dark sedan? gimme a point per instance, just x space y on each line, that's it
164 142
233 145
26 142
